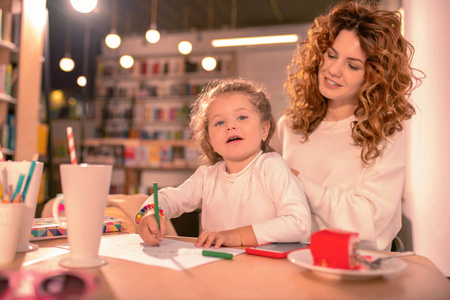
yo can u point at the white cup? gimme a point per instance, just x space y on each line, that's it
10 172
85 188
10 219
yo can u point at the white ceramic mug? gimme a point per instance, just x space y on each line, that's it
10 172
85 188
10 219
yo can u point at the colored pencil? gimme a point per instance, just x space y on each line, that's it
27 183
155 199
18 186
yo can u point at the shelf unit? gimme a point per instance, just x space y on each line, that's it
8 61
143 113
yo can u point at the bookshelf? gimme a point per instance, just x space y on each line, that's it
143 113
21 48
8 70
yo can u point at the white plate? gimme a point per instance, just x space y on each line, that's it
303 259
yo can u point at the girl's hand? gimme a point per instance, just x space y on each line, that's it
225 238
234 237
148 229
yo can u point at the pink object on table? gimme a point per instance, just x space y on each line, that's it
334 248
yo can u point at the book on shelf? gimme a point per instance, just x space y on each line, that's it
5 136
47 228
16 28
7 20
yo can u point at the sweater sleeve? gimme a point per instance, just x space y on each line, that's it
184 198
293 221
373 207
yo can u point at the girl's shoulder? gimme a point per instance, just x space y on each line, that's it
271 160
210 169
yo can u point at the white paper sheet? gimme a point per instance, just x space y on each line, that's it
170 254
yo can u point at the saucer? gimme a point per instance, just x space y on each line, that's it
304 259
83 263
27 247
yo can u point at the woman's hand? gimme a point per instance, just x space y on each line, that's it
234 237
149 231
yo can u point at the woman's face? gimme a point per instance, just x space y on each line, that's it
341 74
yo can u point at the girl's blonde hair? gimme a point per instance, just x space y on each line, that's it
389 78
199 111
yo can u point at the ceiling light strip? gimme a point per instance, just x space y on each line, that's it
256 40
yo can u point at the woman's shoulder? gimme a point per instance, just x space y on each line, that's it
282 121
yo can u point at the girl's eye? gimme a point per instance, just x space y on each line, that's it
219 123
242 117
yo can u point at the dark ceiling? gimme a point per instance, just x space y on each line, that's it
68 29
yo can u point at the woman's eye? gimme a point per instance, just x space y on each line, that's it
353 67
242 117
330 55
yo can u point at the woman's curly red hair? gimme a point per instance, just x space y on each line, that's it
389 78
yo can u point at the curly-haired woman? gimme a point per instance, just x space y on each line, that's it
342 135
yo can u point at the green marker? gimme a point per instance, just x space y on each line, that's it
217 254
155 200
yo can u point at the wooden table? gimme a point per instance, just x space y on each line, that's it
244 277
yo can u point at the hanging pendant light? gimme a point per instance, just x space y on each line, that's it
66 63
81 81
84 6
185 47
152 35
113 40
126 61
209 63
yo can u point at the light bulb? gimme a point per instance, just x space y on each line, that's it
126 61
57 99
81 80
209 63
84 6
112 40
152 36
185 47
66 64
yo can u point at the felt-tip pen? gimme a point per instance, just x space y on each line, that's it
217 254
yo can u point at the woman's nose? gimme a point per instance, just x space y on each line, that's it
335 69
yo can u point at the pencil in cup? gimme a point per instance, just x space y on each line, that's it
2 158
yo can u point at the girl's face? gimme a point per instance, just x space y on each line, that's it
235 130
341 74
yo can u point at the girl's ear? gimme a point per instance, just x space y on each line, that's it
266 128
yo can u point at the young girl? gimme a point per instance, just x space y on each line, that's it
248 195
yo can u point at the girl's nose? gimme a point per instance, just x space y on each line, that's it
231 125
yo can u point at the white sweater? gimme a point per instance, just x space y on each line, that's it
265 195
341 191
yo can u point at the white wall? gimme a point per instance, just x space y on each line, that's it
427 191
